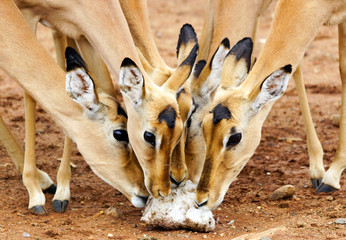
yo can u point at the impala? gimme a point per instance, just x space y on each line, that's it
158 70
224 18
77 19
232 128
23 58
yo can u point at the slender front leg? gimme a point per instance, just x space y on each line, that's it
331 180
30 175
315 150
62 195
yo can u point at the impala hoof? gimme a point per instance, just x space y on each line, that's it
60 206
51 189
316 182
326 188
38 210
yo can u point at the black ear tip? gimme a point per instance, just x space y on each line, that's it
225 43
288 68
127 62
199 67
246 42
74 60
70 51
187 27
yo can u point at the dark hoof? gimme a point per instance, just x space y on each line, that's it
60 206
51 189
38 210
316 182
326 188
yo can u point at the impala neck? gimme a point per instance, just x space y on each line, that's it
295 25
141 31
21 56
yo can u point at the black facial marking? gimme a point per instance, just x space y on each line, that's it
220 112
180 91
199 67
121 111
168 115
74 60
243 49
187 34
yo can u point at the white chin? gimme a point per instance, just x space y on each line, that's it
138 202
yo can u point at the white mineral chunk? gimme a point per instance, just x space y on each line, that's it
178 211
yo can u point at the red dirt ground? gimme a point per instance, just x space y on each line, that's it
280 159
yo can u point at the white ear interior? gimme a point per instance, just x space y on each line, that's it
80 87
272 88
131 83
213 80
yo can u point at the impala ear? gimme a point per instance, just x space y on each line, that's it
186 41
213 80
273 87
237 64
182 73
79 85
131 81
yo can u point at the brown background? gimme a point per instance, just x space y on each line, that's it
280 159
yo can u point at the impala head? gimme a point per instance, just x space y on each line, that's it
186 42
232 127
155 124
205 80
118 166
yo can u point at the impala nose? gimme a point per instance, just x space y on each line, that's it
202 203
176 183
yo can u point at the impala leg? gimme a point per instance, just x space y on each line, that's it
331 180
30 172
62 195
17 155
315 150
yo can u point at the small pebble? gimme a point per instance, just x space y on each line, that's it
110 235
114 212
329 198
265 238
26 235
340 221
283 205
284 192
230 222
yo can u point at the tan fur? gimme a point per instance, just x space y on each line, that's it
25 60
223 18
295 24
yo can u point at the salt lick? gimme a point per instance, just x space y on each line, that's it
178 210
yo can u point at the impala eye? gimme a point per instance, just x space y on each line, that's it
150 138
121 135
234 139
